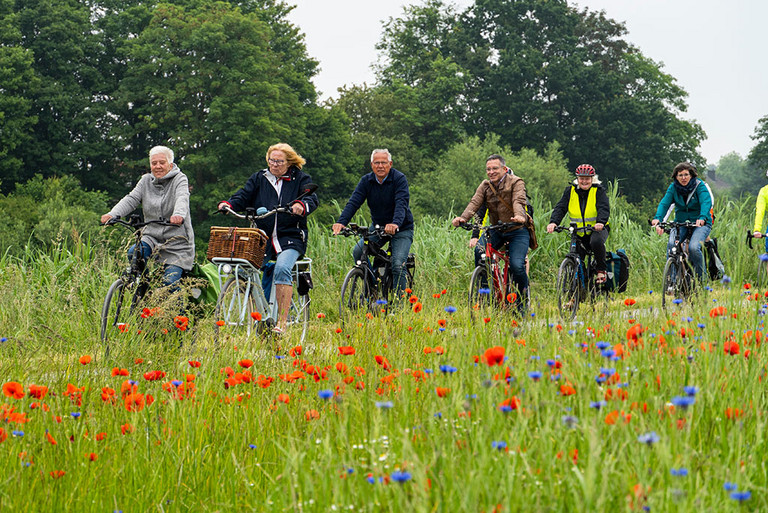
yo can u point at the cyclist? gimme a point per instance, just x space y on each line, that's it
587 205
692 200
760 208
163 192
386 191
504 195
278 186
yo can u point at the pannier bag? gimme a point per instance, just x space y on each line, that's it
617 266
208 292
715 266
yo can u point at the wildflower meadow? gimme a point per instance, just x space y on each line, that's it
422 407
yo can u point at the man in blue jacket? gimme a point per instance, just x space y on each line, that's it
386 191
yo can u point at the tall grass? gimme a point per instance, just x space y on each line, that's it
243 445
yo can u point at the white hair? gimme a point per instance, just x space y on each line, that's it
164 150
595 180
381 150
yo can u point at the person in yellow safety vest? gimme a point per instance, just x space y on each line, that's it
760 208
586 203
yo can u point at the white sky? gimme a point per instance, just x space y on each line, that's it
715 49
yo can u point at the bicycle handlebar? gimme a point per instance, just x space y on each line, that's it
363 231
750 236
134 222
251 215
668 226
572 227
497 226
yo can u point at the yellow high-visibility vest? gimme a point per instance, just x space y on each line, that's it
590 210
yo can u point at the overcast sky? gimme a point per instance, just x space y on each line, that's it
717 51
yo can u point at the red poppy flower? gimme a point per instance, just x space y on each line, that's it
513 403
567 390
245 364
181 322
154 375
444 291
138 361
427 350
100 436
408 291
346 350
312 415
441 323
341 367
511 297
610 419
134 402
718 311
38 391
730 347
194 363
296 351
256 316
438 350
220 323
85 359
417 307
494 356
733 413
486 320
127 428
284 398
629 301
57 473
382 361
92 456
442 391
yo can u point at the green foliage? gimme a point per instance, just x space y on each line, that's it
758 156
461 168
743 176
44 211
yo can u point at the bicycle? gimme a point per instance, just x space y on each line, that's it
577 279
500 295
242 302
367 286
133 282
762 264
678 279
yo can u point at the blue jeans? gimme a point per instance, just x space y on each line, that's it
280 271
400 244
171 273
517 248
695 255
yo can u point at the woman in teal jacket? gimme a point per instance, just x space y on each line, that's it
692 200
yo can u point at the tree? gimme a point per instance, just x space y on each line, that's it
758 155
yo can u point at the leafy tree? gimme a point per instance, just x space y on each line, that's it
740 173
758 155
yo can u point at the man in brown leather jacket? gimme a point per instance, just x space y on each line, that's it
504 195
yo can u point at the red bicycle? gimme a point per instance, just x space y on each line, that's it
499 290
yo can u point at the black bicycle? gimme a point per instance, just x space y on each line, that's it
762 264
577 279
679 280
133 283
368 286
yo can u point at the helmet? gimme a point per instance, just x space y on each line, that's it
585 170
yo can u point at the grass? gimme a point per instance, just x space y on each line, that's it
262 443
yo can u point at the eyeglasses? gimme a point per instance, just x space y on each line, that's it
380 163
493 168
683 175
276 162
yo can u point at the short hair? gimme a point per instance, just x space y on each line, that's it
381 150
293 158
685 166
496 157
164 150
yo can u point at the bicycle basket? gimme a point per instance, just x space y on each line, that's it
231 242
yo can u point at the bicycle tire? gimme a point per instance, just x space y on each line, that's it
762 273
298 316
112 310
479 282
668 282
233 308
355 293
568 289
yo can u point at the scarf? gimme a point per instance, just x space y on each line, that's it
685 191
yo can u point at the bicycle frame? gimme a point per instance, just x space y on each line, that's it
678 278
499 276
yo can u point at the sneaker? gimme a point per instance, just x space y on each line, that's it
278 331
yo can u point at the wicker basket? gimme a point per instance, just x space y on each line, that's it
230 242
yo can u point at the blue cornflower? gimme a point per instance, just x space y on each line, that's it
450 309
597 404
484 291
535 375
683 401
384 405
764 257
505 408
17 433
650 292
533 314
381 301
371 479
400 477
325 394
648 438
132 382
571 332
554 377
4 339
427 371
447 369
176 383
690 390
730 487
350 470
279 356
726 279
608 353
501 445
75 414
602 344
570 421
600 379
608 371
681 472
251 446
677 301
551 363
535 357
701 325
438 415
741 496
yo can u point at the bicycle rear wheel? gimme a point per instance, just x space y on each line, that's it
355 293
116 312
298 316
234 308
568 290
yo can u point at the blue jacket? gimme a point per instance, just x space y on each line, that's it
699 206
291 229
388 201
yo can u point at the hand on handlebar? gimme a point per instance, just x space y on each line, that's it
105 218
458 221
551 227
757 235
337 227
391 229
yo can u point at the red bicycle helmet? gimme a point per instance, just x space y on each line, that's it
585 170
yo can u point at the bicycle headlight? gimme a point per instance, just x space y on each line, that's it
226 269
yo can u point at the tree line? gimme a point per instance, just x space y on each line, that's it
88 86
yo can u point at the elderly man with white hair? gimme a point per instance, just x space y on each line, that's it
162 193
386 191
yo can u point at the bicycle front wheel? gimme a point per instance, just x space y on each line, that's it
355 293
479 291
115 315
234 308
568 290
